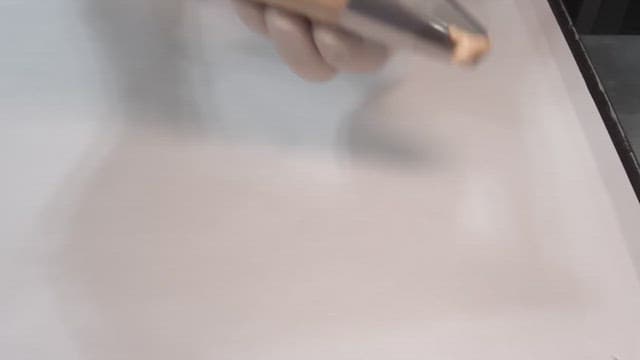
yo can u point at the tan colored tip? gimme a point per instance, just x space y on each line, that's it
468 48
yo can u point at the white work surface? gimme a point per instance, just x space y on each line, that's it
170 191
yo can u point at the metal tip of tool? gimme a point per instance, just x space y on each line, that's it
429 21
453 13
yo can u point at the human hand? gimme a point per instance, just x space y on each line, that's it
314 51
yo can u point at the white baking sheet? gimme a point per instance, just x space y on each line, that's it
425 212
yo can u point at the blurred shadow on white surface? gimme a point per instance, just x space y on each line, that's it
149 48
178 63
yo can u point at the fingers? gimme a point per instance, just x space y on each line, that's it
252 15
295 44
316 52
347 52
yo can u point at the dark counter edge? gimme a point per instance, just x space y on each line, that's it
600 97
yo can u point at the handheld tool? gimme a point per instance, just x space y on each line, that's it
402 23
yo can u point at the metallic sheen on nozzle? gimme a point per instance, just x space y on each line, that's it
419 23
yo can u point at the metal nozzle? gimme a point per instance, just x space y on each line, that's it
416 21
